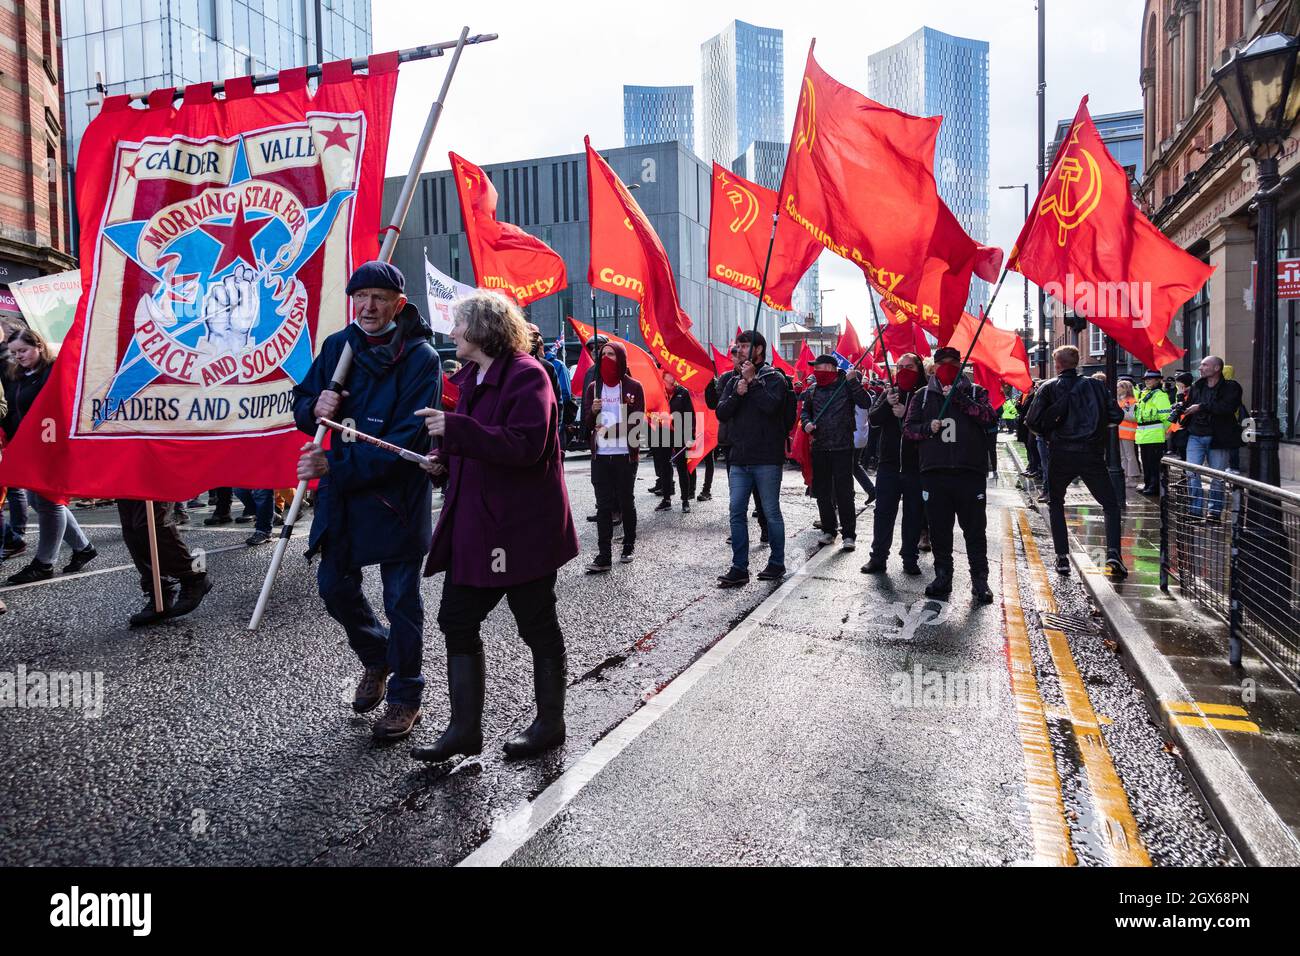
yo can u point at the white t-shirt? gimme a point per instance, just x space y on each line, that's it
611 414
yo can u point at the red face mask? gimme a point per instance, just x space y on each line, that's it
946 374
609 370
825 376
905 379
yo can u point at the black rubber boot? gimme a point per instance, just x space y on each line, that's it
547 728
941 586
466 678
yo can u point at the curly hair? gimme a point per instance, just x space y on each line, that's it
494 323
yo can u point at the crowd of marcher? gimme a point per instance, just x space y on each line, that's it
493 424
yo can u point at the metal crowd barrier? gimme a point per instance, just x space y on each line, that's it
1231 543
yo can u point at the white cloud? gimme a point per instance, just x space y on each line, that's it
558 69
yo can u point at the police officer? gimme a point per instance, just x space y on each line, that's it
1152 414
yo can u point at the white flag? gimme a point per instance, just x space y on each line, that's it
442 291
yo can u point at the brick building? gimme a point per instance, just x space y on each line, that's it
1200 181
33 219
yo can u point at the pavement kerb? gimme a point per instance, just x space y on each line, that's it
1259 834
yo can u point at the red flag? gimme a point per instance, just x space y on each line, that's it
740 226
721 361
642 368
450 393
848 345
1001 351
990 381
1087 245
859 180
628 259
801 451
780 364
504 256
803 367
900 337
217 238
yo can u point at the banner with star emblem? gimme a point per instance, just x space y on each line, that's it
217 238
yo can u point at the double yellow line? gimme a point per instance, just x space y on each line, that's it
1119 833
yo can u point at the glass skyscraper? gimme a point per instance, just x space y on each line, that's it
742 90
659 114
1121 132
931 73
133 46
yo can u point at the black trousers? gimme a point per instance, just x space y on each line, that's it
707 464
223 502
833 487
1150 456
464 609
860 456
758 505
1031 451
892 489
956 496
1069 463
175 562
614 479
664 466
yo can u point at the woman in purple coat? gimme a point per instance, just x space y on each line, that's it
505 527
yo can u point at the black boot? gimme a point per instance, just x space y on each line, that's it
979 585
547 728
466 676
941 586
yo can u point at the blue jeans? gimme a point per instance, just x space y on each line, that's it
743 480
260 501
400 646
57 525
1199 452
16 529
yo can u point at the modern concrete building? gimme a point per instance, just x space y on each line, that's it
547 196
659 114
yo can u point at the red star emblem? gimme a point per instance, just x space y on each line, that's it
336 137
236 240
130 170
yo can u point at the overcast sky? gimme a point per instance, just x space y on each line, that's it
558 69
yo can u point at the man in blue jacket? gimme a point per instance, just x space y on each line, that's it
373 507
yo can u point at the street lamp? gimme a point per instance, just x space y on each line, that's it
821 317
1258 87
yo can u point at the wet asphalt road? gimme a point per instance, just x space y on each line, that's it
217 746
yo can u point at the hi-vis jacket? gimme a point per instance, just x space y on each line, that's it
1152 416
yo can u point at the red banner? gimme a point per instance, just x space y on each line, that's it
628 259
740 227
1087 245
859 181
504 256
899 338
217 238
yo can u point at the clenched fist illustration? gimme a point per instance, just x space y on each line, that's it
230 312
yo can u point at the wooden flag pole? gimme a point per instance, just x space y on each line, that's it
391 232
152 522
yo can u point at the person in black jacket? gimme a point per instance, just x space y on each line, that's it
1210 418
753 406
1074 413
898 476
671 439
373 507
827 415
953 459
32 363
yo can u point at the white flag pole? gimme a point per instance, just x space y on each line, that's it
391 232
